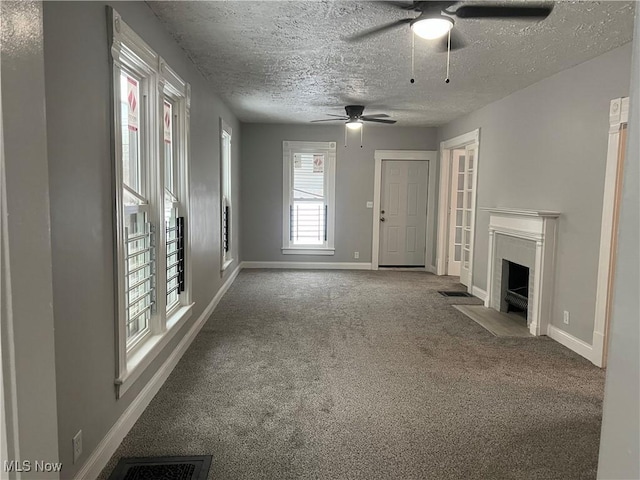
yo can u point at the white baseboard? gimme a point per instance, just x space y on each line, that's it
309 265
430 269
478 292
572 343
110 443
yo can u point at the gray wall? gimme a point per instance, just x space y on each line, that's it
261 180
78 93
26 273
544 147
620 440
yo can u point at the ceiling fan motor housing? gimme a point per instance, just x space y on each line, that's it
354 111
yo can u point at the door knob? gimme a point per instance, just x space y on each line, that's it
382 211
382 219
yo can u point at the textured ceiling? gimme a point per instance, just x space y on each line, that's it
288 62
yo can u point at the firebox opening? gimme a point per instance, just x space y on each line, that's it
516 293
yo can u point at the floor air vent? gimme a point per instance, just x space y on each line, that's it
162 468
452 293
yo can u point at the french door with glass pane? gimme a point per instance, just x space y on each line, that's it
462 212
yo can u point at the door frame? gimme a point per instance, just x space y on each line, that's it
451 225
429 156
618 116
446 147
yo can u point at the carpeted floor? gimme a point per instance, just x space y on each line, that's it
370 375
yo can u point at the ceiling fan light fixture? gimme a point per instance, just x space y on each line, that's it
432 27
354 124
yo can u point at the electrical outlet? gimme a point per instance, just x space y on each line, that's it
356 254
77 446
566 317
369 204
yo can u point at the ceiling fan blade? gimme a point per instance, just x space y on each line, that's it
506 11
375 115
329 120
457 42
377 30
378 120
339 116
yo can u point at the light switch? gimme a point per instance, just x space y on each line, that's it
369 204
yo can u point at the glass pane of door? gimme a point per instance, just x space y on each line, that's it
468 206
459 208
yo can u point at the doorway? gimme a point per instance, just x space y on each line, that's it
403 209
457 207
403 214
618 122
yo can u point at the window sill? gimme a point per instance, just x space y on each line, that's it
150 348
308 251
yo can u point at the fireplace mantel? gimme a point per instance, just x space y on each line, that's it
521 212
537 228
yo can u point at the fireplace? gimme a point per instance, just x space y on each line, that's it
521 264
515 288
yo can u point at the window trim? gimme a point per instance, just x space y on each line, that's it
226 258
171 86
132 55
328 149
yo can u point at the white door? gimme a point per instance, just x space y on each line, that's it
456 211
468 211
403 213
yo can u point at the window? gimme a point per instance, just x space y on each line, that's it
138 247
225 195
308 201
151 105
175 127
